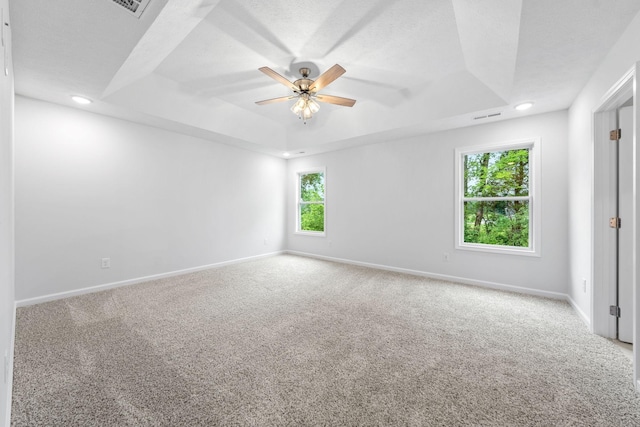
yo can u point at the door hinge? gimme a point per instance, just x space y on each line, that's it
615 222
615 134
614 310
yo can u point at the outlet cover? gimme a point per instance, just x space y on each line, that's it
106 262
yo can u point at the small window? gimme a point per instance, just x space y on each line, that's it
311 202
498 208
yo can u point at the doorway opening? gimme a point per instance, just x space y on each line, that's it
614 244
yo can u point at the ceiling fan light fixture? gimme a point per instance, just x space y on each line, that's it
307 114
299 106
306 91
305 107
313 106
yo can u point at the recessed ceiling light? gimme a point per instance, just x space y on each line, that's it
286 154
81 100
524 106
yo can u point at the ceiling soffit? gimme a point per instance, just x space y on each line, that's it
410 64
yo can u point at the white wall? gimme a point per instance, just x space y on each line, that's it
620 59
91 187
6 219
393 204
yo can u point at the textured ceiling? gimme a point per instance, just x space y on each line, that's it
413 66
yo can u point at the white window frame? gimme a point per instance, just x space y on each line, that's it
299 202
533 144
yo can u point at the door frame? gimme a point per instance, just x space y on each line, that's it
603 291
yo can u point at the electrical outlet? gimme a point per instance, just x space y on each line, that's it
266 241
445 257
106 262
584 285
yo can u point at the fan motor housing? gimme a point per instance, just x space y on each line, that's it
305 82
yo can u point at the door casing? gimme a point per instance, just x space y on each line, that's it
603 258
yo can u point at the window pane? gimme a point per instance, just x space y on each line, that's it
312 187
497 174
312 217
497 223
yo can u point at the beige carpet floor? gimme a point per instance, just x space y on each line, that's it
293 341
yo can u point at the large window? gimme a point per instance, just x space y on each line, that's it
498 208
311 201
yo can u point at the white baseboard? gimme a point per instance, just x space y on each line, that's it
581 313
9 385
103 287
457 279
466 281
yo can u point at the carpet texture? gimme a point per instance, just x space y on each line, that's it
293 341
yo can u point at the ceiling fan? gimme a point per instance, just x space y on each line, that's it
306 91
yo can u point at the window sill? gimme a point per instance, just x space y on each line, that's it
505 250
311 233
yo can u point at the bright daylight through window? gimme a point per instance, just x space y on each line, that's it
311 191
496 198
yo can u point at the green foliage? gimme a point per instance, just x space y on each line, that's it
312 202
493 175
312 187
497 174
502 223
312 217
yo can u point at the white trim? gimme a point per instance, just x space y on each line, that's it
603 289
103 287
494 199
445 277
602 115
298 231
311 233
497 249
535 211
9 384
498 146
615 94
581 313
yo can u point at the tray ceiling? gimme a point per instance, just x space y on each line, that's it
413 66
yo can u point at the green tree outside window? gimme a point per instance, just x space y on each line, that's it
311 203
496 198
